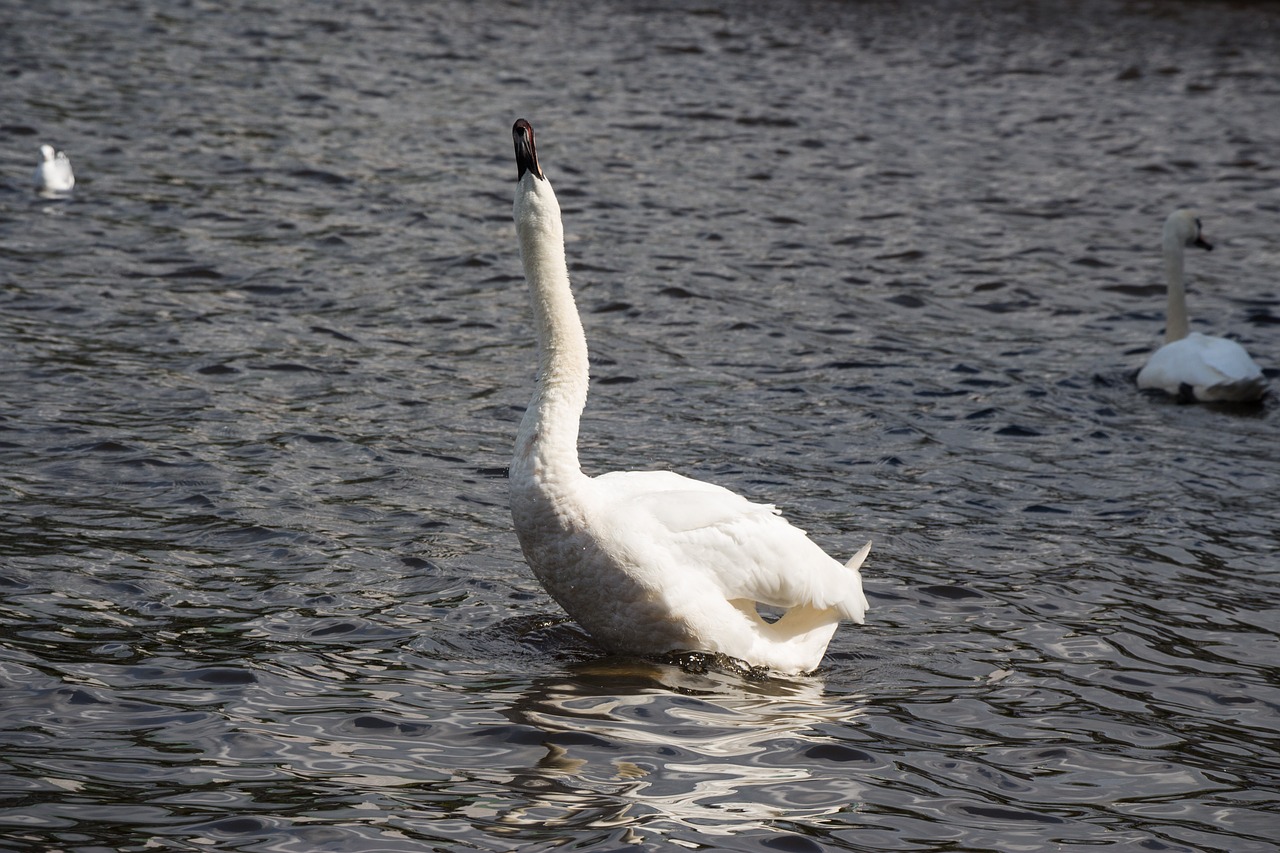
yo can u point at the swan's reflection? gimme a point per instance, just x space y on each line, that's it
647 745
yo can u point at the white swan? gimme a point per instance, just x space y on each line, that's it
650 561
1193 366
54 173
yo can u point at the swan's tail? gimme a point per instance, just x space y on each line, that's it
854 607
855 562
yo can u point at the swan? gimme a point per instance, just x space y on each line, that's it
54 173
1196 367
649 562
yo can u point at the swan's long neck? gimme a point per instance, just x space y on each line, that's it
1175 327
547 443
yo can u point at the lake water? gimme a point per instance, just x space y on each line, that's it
890 266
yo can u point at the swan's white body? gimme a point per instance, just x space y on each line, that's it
1191 365
650 561
54 172
1204 368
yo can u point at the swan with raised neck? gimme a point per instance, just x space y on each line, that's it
649 562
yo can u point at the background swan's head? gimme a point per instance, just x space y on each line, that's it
1182 228
46 152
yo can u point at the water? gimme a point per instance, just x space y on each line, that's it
890 266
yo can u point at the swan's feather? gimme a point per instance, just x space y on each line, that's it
748 548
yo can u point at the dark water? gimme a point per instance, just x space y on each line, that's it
891 266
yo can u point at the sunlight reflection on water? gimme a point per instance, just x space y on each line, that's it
722 760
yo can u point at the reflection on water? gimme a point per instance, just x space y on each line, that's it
720 751
605 746
889 266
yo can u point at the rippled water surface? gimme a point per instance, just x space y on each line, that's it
891 266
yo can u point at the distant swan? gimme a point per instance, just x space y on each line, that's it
54 172
1193 366
650 561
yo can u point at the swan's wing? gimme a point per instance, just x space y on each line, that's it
748 549
1227 358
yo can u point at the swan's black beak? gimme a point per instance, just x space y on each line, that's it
526 153
1199 242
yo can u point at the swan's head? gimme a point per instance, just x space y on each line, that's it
1182 228
526 152
536 210
46 151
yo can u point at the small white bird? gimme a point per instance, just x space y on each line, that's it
1196 367
649 561
54 173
